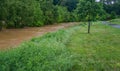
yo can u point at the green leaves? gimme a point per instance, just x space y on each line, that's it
89 10
20 13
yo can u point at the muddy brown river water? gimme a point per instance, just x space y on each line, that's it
12 37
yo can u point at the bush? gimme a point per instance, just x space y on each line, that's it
40 54
113 15
20 13
10 24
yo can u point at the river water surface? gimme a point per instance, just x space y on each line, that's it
13 37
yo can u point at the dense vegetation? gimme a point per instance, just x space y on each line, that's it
73 50
21 13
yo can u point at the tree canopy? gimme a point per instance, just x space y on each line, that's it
21 13
89 10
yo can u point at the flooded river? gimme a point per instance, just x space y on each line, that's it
13 37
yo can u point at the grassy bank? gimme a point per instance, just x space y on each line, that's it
98 51
115 21
67 50
40 54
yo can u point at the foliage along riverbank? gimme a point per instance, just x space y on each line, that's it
21 13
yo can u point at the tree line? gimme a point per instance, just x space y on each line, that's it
21 13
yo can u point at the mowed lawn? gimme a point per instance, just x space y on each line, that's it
97 51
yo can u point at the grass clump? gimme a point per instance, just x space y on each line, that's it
47 53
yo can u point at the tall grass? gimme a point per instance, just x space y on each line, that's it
47 53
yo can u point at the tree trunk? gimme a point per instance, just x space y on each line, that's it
0 25
89 23
0 28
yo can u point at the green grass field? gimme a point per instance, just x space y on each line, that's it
115 21
98 51
70 49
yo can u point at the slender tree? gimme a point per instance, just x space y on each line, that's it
89 10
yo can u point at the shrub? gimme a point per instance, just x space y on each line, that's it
10 24
113 15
